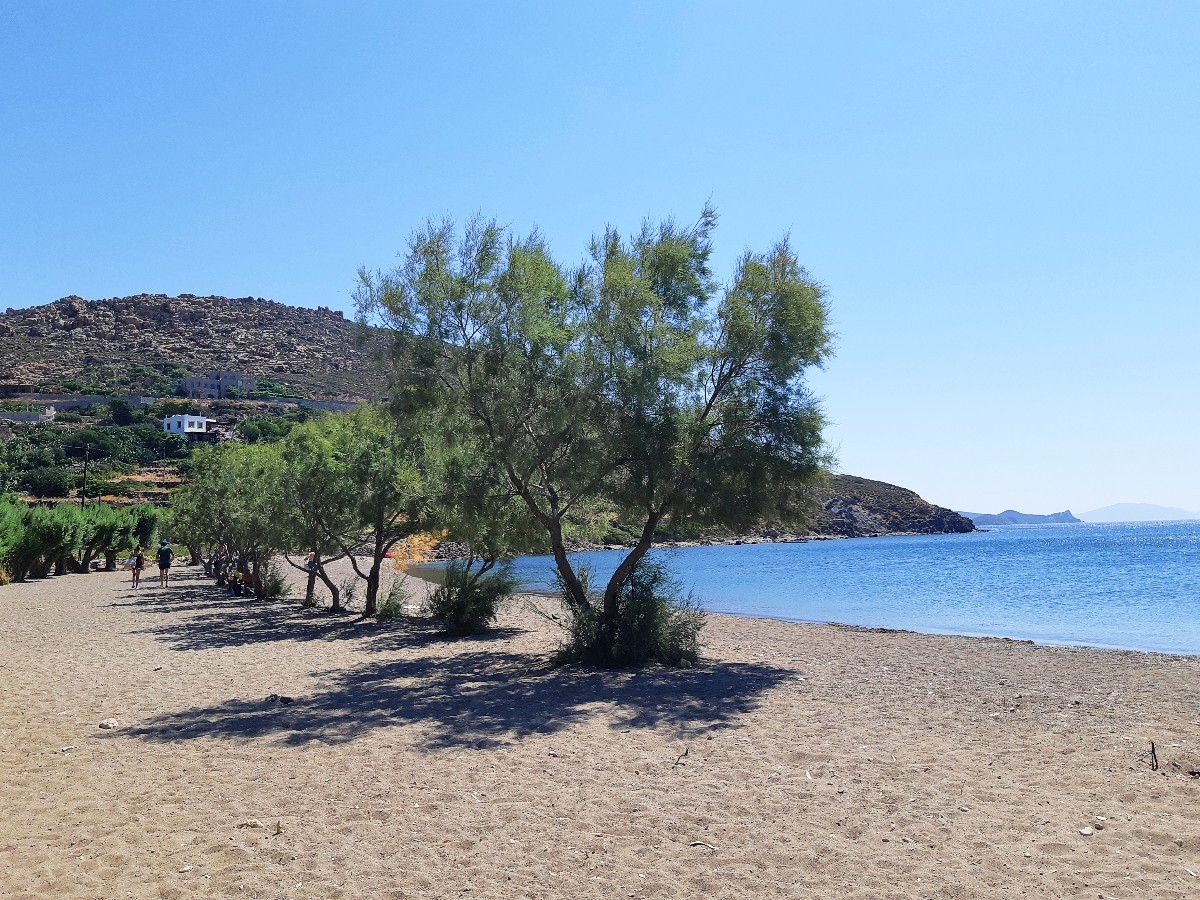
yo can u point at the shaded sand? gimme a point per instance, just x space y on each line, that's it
820 760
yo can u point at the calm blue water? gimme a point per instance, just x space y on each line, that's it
1132 586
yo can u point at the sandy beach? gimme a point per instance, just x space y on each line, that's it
795 761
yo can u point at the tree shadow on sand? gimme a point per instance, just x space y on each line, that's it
481 699
216 621
479 695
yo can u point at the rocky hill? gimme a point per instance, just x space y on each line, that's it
147 342
844 506
850 506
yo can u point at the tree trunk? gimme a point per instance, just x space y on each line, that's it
110 560
612 592
575 591
310 587
196 557
334 591
372 604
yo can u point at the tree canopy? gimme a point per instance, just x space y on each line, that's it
635 381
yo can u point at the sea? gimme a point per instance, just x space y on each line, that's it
1132 586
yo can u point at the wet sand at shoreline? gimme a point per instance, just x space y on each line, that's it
797 760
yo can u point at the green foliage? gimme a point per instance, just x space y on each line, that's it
635 384
468 600
67 537
274 585
229 499
109 448
657 622
268 389
46 481
391 606
122 412
263 428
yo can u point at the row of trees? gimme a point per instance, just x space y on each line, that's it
36 541
358 486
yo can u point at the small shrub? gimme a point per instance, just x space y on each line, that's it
348 590
392 604
274 585
467 601
657 621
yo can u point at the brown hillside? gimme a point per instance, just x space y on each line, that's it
145 342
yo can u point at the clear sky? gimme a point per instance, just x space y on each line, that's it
1003 198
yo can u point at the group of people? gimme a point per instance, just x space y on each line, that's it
164 557
242 584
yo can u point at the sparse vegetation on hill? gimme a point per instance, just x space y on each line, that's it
147 343
849 506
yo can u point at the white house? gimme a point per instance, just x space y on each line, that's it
185 425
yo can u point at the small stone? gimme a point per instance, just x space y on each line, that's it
964 809
1028 855
186 869
109 723
251 823
1086 830
65 749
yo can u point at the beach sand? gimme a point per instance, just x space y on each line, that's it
796 761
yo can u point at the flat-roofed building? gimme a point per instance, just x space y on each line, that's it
185 425
215 385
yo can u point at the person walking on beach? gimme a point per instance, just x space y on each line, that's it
165 555
137 562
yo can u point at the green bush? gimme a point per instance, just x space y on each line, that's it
67 537
46 481
657 621
467 601
391 606
274 585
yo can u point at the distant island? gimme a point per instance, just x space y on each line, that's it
1138 512
1012 517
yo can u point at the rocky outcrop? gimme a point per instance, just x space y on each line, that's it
848 506
141 343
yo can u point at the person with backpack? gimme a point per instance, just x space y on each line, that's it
165 555
137 562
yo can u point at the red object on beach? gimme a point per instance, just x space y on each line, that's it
388 555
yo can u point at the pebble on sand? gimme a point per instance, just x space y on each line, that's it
109 723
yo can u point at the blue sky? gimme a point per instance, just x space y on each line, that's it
1002 197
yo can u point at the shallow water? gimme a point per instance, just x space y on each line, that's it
1130 586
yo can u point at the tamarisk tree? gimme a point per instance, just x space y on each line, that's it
635 381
